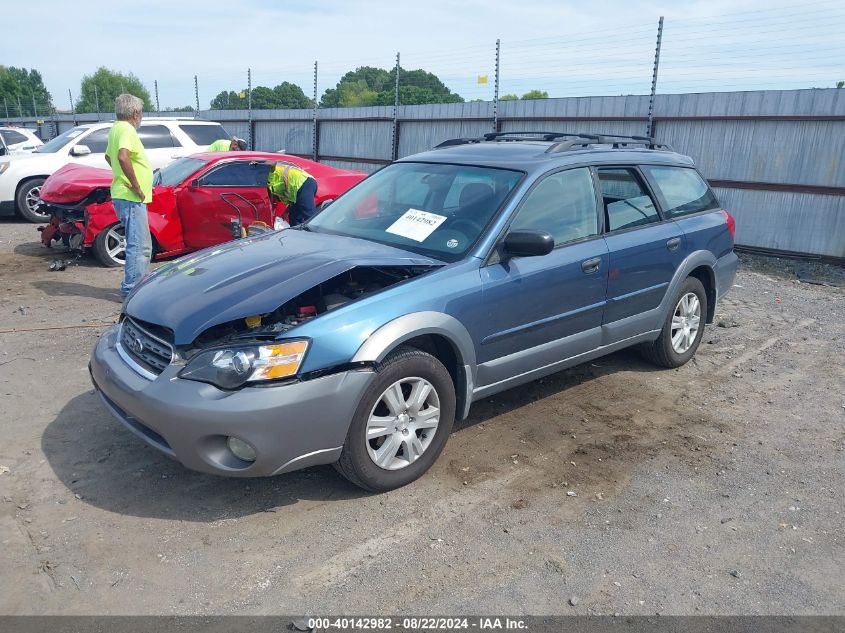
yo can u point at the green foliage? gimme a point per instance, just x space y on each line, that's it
19 86
508 98
840 84
284 96
536 94
109 84
368 86
179 109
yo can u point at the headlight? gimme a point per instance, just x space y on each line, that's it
233 367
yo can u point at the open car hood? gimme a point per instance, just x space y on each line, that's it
251 276
73 183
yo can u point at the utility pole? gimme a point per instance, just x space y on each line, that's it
315 132
496 92
249 106
395 142
197 93
650 128
155 85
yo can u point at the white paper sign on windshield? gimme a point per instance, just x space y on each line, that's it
416 225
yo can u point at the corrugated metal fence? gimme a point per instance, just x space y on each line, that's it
775 158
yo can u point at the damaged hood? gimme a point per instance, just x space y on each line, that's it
73 183
251 276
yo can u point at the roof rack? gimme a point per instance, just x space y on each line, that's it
565 140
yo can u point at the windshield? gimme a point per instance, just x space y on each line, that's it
433 209
174 173
51 147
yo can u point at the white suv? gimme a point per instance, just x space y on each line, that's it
18 140
164 139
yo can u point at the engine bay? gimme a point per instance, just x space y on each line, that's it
354 284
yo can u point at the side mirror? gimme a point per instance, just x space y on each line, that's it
80 150
195 183
528 244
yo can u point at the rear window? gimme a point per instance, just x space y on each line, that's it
683 190
204 134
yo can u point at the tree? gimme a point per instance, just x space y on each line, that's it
180 109
284 96
536 94
367 86
109 84
840 84
20 87
508 98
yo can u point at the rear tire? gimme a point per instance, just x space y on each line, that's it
110 246
28 201
683 328
401 424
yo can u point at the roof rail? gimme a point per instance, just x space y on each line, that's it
565 140
616 141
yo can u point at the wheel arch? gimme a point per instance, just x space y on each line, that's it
438 334
707 277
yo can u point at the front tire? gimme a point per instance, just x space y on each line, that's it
110 246
401 424
28 201
683 328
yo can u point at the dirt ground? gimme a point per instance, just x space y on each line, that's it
716 488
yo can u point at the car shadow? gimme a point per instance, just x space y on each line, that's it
95 457
73 289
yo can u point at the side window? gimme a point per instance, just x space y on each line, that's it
204 134
96 141
563 204
683 190
156 137
12 138
626 201
237 174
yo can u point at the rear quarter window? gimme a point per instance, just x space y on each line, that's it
683 190
204 134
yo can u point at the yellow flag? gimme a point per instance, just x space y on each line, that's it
242 94
482 79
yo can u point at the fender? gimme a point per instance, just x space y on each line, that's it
692 261
386 338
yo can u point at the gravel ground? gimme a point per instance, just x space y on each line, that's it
610 488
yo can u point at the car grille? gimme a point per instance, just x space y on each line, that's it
150 352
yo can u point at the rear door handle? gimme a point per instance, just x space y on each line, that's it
591 265
673 244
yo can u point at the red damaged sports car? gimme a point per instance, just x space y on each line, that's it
198 201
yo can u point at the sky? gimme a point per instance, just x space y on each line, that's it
565 48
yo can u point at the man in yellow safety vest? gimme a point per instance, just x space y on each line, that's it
228 145
292 186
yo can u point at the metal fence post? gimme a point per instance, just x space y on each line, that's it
496 92
315 131
34 107
650 128
158 107
97 102
249 108
6 105
394 152
196 92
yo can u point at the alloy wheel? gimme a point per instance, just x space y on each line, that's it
686 321
402 423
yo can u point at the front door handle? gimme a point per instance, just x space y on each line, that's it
591 265
673 244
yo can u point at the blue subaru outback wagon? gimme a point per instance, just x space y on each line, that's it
358 338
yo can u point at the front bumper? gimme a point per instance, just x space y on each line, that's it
291 425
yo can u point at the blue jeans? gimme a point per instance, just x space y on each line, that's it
139 244
304 208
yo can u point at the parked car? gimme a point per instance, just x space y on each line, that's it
441 279
18 140
196 201
165 139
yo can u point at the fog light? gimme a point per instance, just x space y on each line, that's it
241 449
